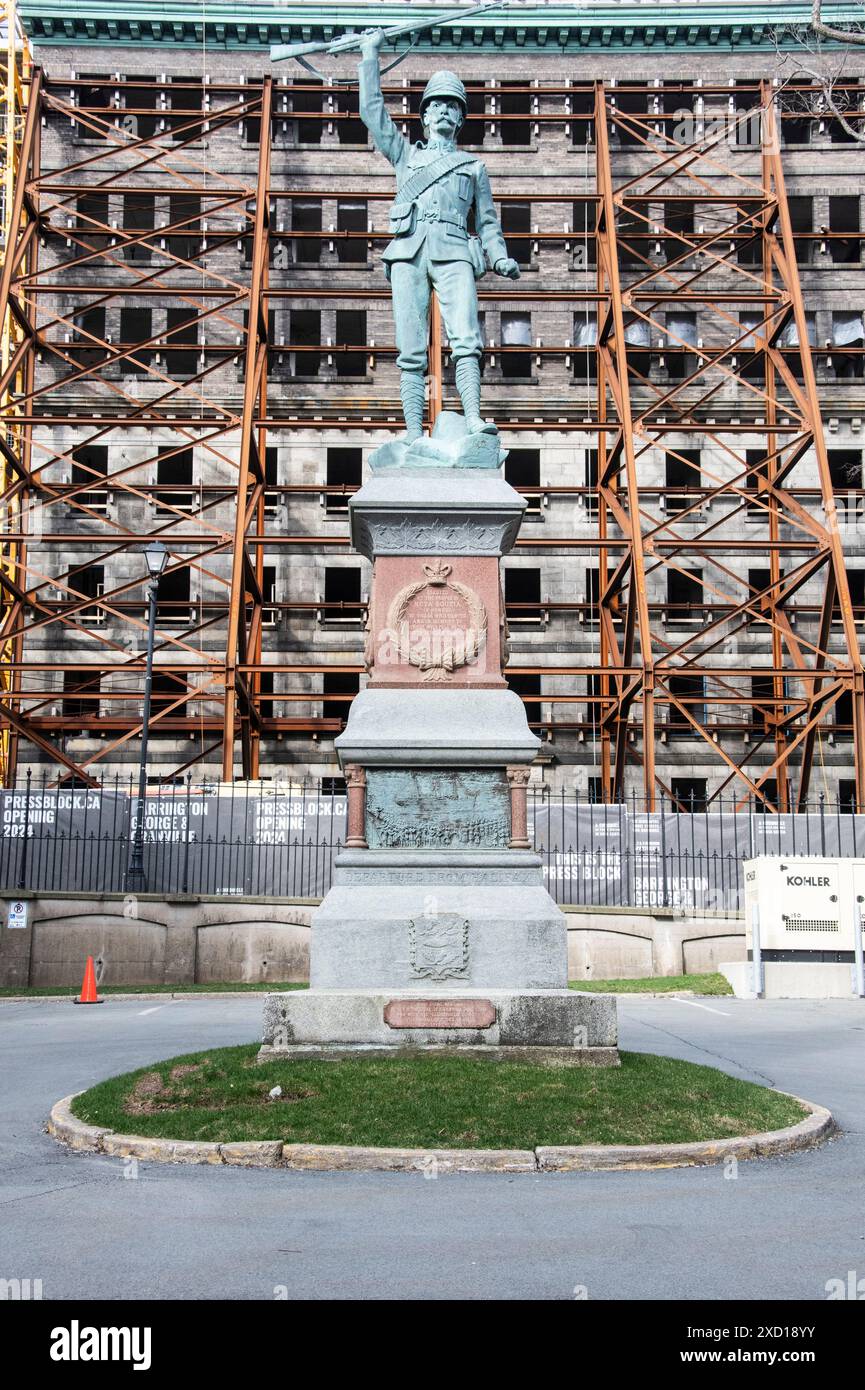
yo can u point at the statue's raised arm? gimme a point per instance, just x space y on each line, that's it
439 190
374 114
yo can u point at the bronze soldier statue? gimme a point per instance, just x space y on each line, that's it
437 188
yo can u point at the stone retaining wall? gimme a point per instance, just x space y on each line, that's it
150 940
617 944
155 940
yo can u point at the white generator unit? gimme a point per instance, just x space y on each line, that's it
803 904
803 929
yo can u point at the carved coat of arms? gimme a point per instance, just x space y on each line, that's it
439 946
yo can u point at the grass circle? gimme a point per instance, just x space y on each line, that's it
423 1100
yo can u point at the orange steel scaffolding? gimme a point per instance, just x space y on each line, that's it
16 84
708 172
63 373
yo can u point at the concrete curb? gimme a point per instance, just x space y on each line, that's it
72 1132
342 1158
270 989
153 994
652 994
815 1129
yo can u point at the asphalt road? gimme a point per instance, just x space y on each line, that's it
779 1230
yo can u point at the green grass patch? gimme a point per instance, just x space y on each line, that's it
658 984
432 1101
61 991
655 984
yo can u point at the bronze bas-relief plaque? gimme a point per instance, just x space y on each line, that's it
437 808
439 1013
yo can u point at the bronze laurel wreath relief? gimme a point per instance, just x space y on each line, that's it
438 651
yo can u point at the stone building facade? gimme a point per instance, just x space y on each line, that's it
331 363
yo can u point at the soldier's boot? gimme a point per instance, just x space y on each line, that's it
468 379
412 393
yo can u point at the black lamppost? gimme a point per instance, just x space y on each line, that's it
156 557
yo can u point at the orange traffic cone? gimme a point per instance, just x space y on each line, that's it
88 985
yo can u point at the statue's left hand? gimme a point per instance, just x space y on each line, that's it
508 269
371 41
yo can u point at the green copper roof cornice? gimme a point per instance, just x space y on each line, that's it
741 24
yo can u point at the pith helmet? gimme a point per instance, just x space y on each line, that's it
444 84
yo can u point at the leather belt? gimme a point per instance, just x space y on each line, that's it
433 215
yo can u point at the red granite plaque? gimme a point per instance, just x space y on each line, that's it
439 1013
436 620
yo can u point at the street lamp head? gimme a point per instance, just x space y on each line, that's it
156 557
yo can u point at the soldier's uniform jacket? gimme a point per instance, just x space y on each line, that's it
439 215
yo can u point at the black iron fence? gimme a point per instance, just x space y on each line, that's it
280 839
622 855
239 839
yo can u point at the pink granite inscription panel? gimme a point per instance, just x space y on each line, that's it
435 620
439 1013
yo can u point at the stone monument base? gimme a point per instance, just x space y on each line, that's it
437 933
558 1025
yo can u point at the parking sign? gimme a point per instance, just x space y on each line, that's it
17 915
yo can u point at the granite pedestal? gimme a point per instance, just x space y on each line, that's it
438 931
